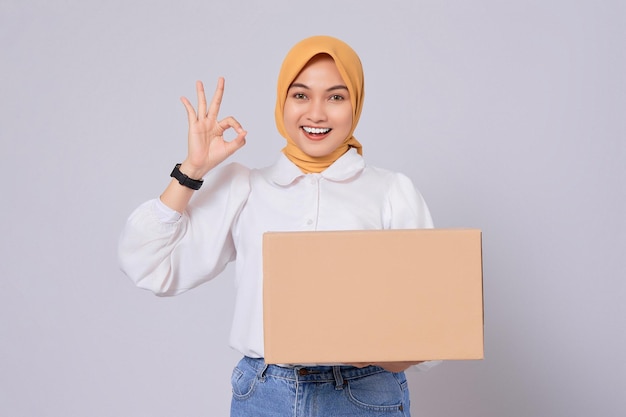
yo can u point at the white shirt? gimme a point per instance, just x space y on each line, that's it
169 253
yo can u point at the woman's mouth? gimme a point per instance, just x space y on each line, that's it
316 133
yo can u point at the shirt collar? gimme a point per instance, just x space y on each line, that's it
284 172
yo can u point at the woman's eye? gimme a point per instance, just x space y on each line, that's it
336 97
299 96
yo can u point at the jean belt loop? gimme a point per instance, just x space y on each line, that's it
338 377
261 374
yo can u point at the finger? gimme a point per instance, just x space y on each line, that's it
201 99
240 140
237 143
216 101
191 112
230 122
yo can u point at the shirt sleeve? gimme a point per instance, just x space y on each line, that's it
168 252
425 366
407 208
164 213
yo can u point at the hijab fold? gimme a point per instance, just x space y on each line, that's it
351 70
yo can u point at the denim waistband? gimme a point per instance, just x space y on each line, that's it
303 373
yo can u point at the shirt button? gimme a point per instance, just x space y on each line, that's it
309 222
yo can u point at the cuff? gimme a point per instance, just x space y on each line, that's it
165 214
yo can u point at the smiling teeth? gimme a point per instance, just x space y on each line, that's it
315 130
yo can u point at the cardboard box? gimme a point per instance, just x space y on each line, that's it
372 296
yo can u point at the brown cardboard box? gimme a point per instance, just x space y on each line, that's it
372 296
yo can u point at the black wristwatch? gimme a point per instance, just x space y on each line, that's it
185 180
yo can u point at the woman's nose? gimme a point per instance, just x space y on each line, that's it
317 111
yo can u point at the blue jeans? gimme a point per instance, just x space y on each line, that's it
261 390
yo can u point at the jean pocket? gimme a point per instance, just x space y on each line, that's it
243 383
382 391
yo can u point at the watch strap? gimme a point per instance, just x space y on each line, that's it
184 180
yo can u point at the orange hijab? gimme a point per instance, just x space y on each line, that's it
349 66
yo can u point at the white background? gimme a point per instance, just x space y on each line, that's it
508 116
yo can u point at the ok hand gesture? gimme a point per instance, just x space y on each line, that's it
206 144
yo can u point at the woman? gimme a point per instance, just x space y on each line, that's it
319 182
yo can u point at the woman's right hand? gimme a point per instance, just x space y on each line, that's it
206 144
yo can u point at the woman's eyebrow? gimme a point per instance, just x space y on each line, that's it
335 87
338 87
298 85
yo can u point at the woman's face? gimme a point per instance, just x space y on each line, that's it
318 112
